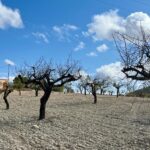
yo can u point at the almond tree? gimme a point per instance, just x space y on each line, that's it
134 52
117 86
82 84
48 76
18 85
94 86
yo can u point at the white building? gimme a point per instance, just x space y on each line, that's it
3 83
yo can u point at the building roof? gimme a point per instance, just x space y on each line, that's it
4 79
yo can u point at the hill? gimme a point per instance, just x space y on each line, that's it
144 92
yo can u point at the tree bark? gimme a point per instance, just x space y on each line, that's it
94 94
6 101
6 93
117 92
43 102
80 91
84 91
101 91
95 98
36 92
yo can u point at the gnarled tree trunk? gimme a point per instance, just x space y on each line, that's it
117 92
95 98
43 102
36 92
6 93
84 90
94 94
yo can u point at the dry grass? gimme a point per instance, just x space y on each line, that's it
73 122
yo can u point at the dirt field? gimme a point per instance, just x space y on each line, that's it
74 123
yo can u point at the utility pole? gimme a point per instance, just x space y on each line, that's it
8 72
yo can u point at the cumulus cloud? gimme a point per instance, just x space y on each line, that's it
113 71
134 22
102 48
91 54
104 25
84 74
63 31
9 17
40 36
9 62
80 46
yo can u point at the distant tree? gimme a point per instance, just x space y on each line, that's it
82 84
110 92
18 85
117 86
94 86
58 89
48 76
36 88
79 86
68 87
103 84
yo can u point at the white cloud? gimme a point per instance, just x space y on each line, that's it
102 48
69 27
57 29
40 36
135 20
9 62
80 46
92 54
83 73
104 25
9 17
63 32
113 71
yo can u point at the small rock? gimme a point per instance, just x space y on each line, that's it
35 126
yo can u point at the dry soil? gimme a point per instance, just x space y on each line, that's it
74 123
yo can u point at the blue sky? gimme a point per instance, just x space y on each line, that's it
56 29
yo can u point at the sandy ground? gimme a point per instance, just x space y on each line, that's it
74 123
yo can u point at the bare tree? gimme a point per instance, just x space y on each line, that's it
117 86
79 86
48 76
94 86
131 85
36 88
134 51
82 84
68 87
110 92
103 84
